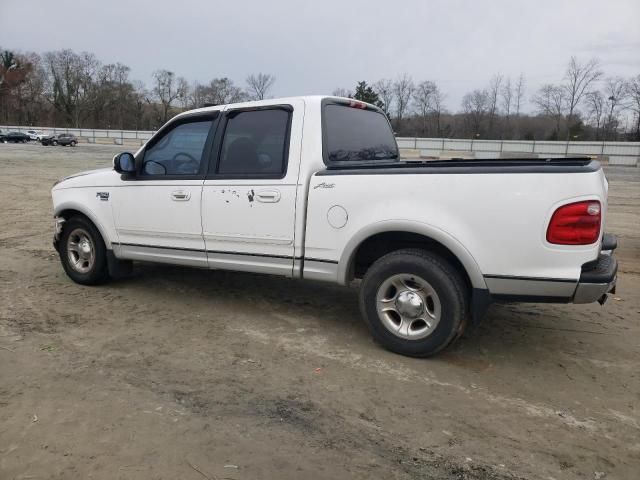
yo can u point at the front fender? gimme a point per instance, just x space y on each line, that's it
105 229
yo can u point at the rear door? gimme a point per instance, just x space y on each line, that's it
248 199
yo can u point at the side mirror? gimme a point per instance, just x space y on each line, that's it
124 163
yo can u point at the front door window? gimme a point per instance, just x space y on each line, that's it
179 152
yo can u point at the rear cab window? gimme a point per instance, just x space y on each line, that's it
355 133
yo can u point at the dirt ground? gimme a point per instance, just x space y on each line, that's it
192 374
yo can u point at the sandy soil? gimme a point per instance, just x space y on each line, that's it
191 374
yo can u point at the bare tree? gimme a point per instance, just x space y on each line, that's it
70 78
403 89
595 108
423 98
139 95
578 79
259 85
519 94
494 92
164 92
22 87
223 91
342 92
196 95
551 101
634 104
384 89
124 92
219 91
438 109
506 95
616 94
182 89
475 105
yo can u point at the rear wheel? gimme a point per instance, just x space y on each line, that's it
73 143
82 252
414 302
54 143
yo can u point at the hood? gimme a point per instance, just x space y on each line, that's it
102 177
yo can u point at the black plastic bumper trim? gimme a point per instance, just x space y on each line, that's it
602 270
609 242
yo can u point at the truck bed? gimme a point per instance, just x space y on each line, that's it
490 218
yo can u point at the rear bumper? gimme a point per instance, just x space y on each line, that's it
598 278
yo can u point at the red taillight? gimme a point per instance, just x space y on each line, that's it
575 224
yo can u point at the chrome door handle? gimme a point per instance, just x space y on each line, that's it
268 196
180 196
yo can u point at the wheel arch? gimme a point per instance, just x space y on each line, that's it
68 209
429 234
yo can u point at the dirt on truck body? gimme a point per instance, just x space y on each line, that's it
184 373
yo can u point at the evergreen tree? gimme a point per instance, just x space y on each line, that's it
365 93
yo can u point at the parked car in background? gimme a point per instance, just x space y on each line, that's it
14 137
35 135
67 139
62 139
49 140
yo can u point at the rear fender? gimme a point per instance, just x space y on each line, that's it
463 255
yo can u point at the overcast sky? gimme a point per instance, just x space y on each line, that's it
314 47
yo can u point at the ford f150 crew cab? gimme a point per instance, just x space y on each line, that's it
314 188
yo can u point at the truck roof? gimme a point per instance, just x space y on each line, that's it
308 99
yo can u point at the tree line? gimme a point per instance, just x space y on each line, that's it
69 89
583 105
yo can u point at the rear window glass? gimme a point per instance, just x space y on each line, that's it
255 143
356 135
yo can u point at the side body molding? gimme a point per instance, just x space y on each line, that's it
465 257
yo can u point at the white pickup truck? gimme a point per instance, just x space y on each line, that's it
314 188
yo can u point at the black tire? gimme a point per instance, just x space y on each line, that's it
98 272
73 143
54 143
445 281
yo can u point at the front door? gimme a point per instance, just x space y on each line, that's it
249 195
157 212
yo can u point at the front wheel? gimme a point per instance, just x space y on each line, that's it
82 252
73 143
414 302
54 143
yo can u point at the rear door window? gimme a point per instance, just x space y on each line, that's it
255 144
353 135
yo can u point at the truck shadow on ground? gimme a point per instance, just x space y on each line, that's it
509 333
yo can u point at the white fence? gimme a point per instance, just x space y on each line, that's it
616 153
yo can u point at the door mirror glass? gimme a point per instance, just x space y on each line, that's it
124 163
